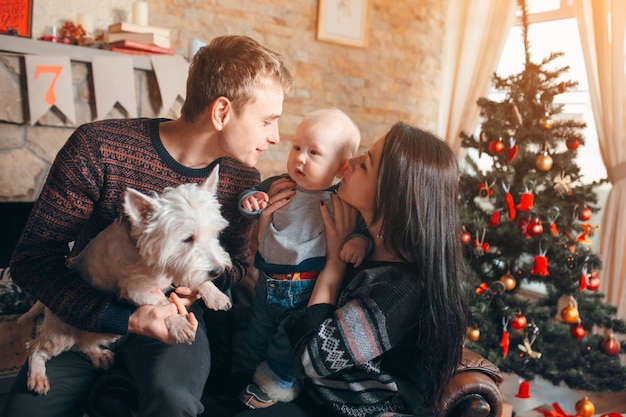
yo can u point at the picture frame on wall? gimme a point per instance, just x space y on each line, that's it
344 22
16 17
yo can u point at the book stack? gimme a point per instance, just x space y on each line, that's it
131 38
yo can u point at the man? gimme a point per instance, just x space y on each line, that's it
235 91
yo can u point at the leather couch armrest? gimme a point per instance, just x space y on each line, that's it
473 390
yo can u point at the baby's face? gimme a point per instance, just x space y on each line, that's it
315 157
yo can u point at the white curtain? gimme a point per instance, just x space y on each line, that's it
476 31
601 24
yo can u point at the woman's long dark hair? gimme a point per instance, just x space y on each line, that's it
416 199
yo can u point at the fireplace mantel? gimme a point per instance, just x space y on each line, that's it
27 46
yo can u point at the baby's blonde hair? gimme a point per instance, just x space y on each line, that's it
343 126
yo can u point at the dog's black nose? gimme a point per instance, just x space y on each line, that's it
214 273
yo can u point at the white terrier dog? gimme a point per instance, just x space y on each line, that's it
163 240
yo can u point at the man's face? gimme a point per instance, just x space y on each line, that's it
251 131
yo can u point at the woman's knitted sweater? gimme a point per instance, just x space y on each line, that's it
84 193
360 357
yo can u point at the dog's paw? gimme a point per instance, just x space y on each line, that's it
180 329
101 358
38 383
216 300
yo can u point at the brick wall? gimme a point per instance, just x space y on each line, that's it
397 77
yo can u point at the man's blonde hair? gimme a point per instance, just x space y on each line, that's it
234 67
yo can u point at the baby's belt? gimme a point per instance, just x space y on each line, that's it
295 276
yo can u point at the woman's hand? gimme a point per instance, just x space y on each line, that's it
149 320
328 282
337 230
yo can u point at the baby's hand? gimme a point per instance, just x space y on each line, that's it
255 202
354 251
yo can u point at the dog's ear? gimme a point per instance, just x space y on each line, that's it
139 207
210 184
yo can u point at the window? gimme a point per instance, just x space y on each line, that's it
553 28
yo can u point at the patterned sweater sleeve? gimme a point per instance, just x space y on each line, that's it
64 206
371 319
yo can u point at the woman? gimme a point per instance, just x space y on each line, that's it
385 338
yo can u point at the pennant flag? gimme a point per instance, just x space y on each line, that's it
171 75
114 82
49 83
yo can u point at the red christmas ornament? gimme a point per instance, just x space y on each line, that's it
582 281
583 236
494 220
594 281
572 144
482 288
496 146
523 223
524 389
484 190
511 153
465 237
540 266
578 331
526 201
554 230
504 342
585 214
610 345
519 322
510 204
535 227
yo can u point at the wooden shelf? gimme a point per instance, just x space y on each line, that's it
27 46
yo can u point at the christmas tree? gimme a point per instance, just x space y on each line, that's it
527 221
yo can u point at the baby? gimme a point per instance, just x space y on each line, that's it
292 246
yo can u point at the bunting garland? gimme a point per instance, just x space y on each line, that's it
49 84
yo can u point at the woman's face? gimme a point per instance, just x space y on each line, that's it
360 179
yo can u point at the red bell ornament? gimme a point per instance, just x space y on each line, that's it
526 201
540 266
610 345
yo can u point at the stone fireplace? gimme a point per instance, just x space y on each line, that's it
27 151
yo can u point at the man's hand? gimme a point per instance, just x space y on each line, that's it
149 320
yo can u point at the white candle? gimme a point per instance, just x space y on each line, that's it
140 13
85 21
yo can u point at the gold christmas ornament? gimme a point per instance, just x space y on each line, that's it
585 408
473 333
509 281
546 121
544 162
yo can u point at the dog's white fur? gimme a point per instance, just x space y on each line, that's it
167 239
